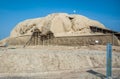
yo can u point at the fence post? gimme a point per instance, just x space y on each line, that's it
109 61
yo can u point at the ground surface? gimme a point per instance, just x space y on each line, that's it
17 62
98 73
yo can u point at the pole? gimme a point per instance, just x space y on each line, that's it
109 61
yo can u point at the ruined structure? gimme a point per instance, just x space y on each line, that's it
100 39
62 29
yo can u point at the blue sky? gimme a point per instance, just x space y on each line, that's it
14 11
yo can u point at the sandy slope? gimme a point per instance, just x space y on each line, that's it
41 59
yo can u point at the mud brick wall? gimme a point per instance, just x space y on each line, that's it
82 40
68 40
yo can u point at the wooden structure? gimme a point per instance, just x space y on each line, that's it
104 31
37 38
101 30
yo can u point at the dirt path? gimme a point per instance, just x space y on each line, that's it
98 73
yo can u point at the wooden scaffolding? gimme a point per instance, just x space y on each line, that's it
37 38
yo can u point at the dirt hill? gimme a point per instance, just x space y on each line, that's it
58 23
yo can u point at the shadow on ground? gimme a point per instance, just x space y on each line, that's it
102 76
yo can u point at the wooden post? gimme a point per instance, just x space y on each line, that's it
34 39
96 29
48 39
37 38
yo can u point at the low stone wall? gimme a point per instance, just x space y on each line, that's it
16 40
68 40
83 40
